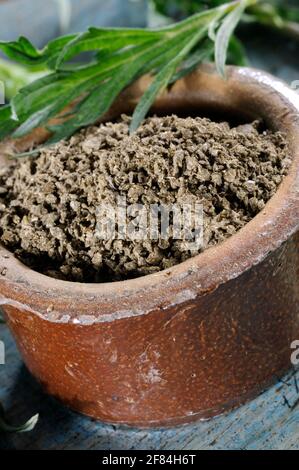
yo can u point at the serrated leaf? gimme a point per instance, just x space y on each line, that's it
98 102
38 94
24 52
162 79
201 55
105 40
122 55
21 50
104 70
47 112
224 34
7 427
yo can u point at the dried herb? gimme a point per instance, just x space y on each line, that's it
121 56
48 221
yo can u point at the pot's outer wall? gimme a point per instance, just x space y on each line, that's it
213 335
175 365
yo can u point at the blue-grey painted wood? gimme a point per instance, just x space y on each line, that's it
40 21
269 422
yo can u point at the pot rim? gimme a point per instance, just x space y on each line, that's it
64 301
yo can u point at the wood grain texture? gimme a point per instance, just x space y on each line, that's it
269 422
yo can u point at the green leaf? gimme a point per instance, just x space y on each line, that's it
201 55
35 120
25 52
27 427
213 26
21 50
105 40
161 81
16 76
163 78
95 105
66 87
84 93
224 34
45 113
99 101
7 124
38 94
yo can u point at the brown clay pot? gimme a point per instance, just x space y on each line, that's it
189 342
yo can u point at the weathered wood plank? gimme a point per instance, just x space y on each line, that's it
269 422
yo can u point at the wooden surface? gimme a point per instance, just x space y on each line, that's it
269 422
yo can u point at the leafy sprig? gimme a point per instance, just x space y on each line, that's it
6 427
119 57
16 76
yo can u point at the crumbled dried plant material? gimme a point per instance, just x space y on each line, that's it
48 204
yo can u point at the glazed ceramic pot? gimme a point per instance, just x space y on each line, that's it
189 342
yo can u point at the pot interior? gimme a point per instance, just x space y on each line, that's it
206 96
